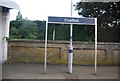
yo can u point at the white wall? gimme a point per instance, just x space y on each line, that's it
5 25
4 32
1 51
0 43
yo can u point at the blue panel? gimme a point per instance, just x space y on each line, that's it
71 20
70 51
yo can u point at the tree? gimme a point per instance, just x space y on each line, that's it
41 28
23 29
107 14
19 16
26 29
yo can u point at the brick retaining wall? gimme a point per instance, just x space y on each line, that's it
33 51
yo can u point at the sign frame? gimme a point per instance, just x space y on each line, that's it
95 56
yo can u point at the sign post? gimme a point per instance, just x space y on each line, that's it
70 54
45 55
95 46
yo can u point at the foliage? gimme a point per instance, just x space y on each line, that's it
62 32
27 29
23 29
107 14
41 29
83 33
19 16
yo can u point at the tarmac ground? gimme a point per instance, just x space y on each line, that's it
36 71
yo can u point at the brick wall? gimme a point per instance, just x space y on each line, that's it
33 51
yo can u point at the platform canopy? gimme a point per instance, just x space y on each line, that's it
9 4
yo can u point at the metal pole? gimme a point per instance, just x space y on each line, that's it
71 8
53 34
95 46
70 56
45 56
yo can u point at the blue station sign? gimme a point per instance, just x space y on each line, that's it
71 20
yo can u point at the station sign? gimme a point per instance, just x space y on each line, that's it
71 20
